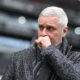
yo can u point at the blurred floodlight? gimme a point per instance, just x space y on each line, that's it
21 20
77 30
0 77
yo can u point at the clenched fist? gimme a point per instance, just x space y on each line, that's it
43 42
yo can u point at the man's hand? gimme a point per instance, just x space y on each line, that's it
43 42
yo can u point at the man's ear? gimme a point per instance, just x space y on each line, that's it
65 31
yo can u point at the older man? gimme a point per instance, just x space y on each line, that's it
50 56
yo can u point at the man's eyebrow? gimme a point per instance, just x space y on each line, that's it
50 25
40 24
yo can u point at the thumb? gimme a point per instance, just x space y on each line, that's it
36 41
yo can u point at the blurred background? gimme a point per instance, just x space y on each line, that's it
18 24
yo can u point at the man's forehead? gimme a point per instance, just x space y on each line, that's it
48 19
46 24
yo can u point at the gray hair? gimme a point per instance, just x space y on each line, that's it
56 11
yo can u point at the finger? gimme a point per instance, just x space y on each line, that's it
38 42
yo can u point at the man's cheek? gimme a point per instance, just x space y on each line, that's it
51 40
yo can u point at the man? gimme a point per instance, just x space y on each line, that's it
50 56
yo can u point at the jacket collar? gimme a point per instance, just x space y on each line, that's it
65 47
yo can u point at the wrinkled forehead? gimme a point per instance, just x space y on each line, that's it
48 20
52 21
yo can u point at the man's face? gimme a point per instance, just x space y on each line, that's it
49 26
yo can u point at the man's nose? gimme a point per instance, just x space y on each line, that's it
44 32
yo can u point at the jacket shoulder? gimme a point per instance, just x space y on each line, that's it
74 56
26 54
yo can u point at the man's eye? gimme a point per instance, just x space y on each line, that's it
41 27
50 29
